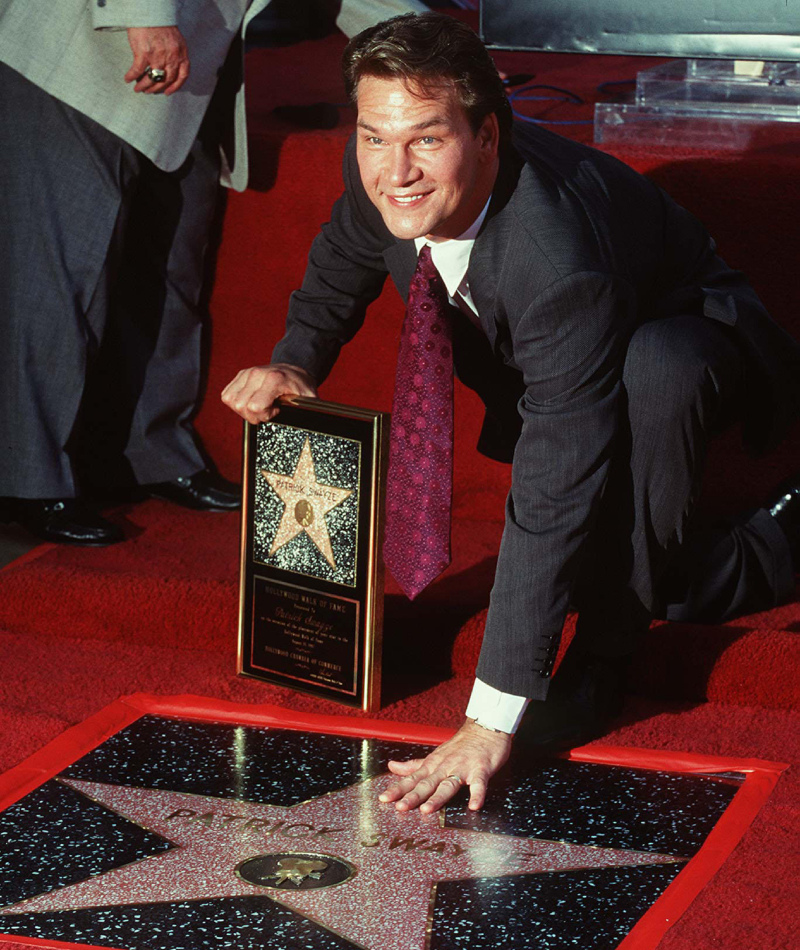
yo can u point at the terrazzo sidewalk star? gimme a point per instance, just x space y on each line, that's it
191 824
391 860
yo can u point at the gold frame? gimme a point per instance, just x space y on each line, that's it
371 600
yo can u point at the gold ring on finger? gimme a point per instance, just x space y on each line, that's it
456 778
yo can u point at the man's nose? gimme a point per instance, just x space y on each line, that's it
402 168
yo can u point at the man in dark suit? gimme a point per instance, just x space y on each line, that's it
609 344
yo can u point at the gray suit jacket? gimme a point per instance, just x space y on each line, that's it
78 52
577 250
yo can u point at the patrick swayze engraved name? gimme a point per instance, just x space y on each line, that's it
268 827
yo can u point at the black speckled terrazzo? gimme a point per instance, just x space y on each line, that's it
255 765
604 805
59 836
56 836
587 910
235 923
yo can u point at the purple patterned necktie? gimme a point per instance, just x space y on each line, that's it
420 483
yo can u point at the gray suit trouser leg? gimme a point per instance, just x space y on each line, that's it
683 378
101 259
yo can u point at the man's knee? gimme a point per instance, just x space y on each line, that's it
678 368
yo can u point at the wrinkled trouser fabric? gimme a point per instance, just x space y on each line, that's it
101 272
684 379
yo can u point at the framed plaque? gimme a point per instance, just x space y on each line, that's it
311 596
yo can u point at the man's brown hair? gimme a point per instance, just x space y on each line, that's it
430 50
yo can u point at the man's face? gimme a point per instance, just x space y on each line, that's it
421 164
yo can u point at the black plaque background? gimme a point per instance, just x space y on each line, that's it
344 655
364 428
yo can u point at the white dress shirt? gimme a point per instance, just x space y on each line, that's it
488 706
451 258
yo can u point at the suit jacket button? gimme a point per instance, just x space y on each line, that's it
101 3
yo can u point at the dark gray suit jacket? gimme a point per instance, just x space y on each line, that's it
577 251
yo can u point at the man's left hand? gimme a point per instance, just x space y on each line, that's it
471 757
162 47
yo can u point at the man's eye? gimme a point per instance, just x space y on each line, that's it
428 140
374 140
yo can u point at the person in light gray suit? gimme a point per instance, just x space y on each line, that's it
111 120
117 121
609 343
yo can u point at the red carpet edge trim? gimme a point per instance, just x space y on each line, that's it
12 942
761 778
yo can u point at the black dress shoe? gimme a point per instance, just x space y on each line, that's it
784 506
586 694
204 491
63 520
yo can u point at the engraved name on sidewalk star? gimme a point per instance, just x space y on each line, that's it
306 502
388 861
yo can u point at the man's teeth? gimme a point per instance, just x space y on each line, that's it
408 200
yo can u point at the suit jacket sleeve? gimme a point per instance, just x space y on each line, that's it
122 14
570 344
345 273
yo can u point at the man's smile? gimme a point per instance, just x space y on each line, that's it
406 200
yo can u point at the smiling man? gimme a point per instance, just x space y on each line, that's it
421 163
608 342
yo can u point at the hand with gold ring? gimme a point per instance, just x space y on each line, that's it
471 757
160 59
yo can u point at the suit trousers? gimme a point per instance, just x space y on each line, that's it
102 260
683 382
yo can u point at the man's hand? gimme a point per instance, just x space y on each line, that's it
471 757
162 47
253 392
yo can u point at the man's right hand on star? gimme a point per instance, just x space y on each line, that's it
253 393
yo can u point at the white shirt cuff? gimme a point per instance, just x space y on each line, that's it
495 709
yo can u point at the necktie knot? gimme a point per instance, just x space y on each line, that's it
427 282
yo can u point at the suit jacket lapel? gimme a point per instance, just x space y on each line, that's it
401 260
489 251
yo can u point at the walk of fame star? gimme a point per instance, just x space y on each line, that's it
306 502
397 859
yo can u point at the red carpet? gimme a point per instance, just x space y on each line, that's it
158 614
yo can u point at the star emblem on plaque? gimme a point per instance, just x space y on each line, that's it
302 513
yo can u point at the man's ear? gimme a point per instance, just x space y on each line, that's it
489 137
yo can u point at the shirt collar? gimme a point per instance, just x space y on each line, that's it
451 257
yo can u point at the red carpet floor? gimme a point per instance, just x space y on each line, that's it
79 628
